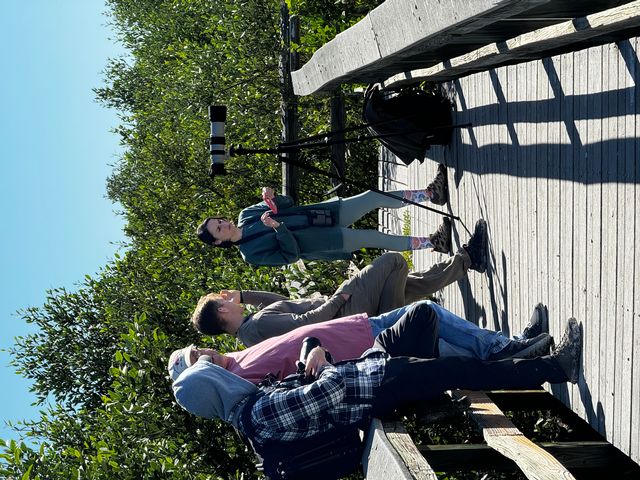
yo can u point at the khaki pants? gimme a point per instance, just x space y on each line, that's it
387 284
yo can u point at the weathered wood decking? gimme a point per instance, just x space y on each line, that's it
552 162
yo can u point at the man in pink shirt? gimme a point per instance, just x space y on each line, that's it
349 337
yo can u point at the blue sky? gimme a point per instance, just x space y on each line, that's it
56 153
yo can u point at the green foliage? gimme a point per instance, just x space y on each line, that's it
98 359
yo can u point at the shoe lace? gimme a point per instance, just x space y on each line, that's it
564 343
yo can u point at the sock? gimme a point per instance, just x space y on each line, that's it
420 243
417 195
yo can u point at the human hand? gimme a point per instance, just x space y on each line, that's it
268 195
316 359
231 295
268 221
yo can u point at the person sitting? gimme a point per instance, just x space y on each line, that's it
350 393
350 337
276 232
382 286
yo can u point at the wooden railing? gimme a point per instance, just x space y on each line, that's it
391 453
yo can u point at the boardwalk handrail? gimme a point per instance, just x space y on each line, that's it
391 454
397 28
503 436
529 46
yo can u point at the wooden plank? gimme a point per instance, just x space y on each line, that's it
579 265
478 200
523 201
528 46
566 208
553 67
592 322
542 194
502 197
495 222
502 435
459 147
627 243
530 141
635 388
289 32
512 256
631 220
609 247
390 453
384 36
581 455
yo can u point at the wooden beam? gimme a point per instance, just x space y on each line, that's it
581 455
502 435
528 46
395 30
391 454
290 32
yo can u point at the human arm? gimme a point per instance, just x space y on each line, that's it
260 299
264 251
282 202
284 316
291 411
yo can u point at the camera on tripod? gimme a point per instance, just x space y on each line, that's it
217 142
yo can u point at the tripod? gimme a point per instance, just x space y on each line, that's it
324 140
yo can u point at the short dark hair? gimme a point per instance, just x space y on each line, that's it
205 317
204 235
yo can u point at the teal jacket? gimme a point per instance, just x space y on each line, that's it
295 238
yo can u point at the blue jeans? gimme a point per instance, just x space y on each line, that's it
458 337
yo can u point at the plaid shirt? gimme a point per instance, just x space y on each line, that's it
342 394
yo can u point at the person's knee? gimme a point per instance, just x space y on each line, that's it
422 309
424 314
391 261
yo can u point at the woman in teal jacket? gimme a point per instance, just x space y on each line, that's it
283 232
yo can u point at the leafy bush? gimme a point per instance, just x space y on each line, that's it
98 360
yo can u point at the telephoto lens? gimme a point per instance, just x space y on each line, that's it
217 142
308 344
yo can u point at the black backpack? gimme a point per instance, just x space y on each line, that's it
326 456
408 119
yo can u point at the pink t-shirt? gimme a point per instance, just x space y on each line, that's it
345 338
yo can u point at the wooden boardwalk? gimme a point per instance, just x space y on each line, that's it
552 162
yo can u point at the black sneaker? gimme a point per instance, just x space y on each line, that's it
441 239
531 348
539 323
439 188
477 247
568 351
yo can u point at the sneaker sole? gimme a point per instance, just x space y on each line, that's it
446 221
445 188
575 364
482 267
543 314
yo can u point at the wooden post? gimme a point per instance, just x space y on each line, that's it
290 32
338 150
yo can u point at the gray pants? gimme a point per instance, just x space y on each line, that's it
387 284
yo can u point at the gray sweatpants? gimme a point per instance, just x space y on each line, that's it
387 284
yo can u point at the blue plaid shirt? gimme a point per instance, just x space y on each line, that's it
342 394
